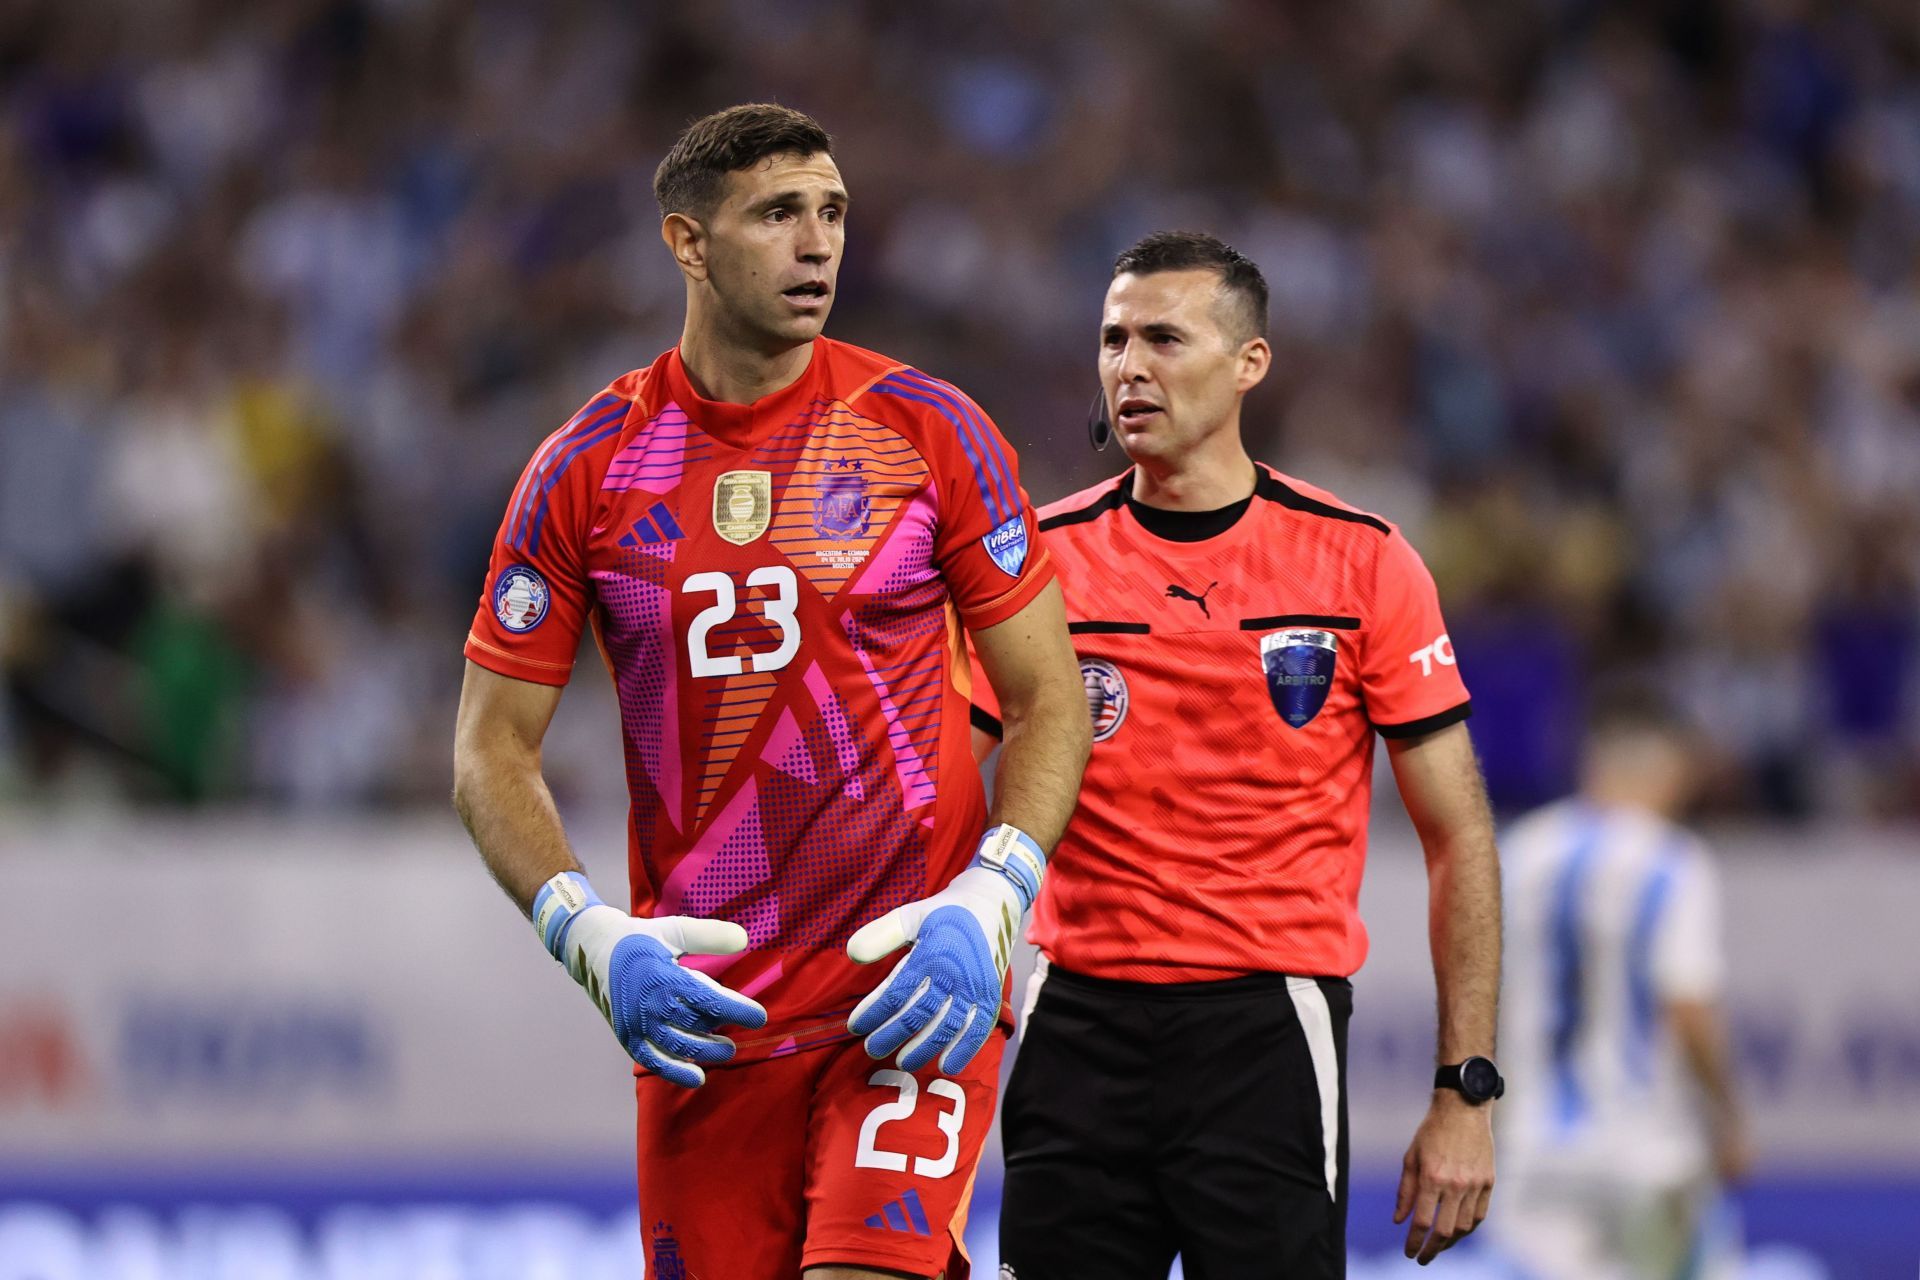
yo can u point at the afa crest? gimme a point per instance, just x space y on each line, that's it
668 1262
842 508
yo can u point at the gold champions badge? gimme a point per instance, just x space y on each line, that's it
742 505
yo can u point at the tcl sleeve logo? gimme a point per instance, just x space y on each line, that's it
1440 651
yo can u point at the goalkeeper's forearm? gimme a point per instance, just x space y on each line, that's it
1037 781
502 798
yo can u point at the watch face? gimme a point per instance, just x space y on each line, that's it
1479 1078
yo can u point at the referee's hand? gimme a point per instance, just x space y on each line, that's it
1446 1181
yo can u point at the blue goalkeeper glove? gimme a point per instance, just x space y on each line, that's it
663 1013
945 996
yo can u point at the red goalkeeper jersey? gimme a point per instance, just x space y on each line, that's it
1236 683
779 590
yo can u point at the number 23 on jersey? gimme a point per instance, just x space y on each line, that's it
778 609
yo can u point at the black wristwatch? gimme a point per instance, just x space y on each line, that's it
1477 1079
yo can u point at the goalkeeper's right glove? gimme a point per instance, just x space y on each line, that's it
662 1012
943 999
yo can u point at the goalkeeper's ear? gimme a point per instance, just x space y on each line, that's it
686 240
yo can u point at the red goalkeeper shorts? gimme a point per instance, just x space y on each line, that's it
824 1157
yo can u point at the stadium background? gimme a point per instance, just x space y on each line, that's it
1614 306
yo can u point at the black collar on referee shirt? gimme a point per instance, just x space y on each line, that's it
1183 526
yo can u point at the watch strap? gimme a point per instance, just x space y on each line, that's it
1452 1076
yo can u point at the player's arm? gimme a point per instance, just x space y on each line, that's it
498 788
1046 734
1701 1033
1688 972
664 1014
1446 1182
984 714
520 651
943 998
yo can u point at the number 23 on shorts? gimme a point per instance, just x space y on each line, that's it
897 1157
870 1154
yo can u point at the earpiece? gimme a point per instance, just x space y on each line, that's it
1099 426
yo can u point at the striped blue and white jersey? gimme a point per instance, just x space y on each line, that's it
1611 913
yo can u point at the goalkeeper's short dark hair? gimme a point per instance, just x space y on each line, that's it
694 173
1240 278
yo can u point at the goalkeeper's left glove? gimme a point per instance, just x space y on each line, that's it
946 994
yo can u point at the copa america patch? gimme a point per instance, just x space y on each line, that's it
1008 546
1106 696
1299 669
520 598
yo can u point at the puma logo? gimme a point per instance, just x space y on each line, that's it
1176 592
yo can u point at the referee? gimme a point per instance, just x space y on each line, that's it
1180 1087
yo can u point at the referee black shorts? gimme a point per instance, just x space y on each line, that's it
1203 1119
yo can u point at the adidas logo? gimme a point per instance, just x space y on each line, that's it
904 1214
655 527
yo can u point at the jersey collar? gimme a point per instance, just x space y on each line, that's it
744 426
1207 532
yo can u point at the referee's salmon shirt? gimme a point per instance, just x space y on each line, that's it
1236 684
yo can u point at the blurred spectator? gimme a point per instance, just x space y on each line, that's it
1616 308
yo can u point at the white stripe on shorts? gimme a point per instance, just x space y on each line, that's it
1316 1021
1035 981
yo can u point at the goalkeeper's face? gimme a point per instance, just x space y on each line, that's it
771 249
1175 361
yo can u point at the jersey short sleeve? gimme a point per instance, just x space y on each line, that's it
1687 962
988 541
1408 676
534 603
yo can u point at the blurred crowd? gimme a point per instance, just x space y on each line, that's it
1614 306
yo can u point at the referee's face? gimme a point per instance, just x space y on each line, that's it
771 249
1172 362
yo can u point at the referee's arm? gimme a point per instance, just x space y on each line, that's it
1446 1182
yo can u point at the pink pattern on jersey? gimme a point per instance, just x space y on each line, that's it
643 656
905 558
652 459
915 785
675 893
727 865
786 750
833 713
761 981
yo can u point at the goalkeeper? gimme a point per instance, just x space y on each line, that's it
777 540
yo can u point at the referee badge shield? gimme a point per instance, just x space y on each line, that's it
1299 668
742 505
